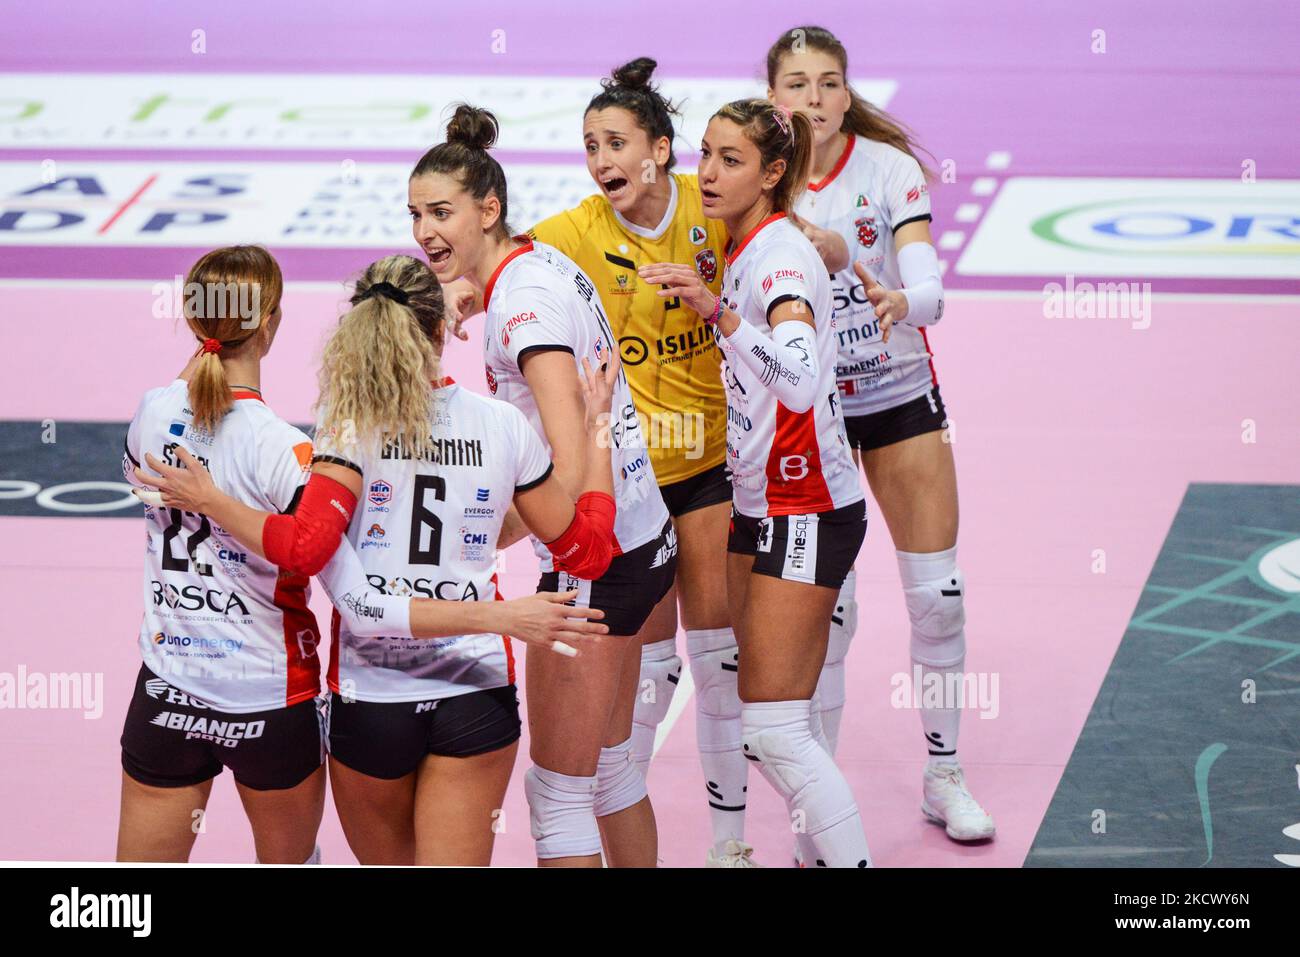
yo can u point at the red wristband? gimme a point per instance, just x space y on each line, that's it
306 539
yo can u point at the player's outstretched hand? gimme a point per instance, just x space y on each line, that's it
890 304
678 280
545 620
189 488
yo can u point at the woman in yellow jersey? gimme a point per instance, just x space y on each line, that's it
645 213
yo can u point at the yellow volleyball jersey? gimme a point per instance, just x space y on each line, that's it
669 354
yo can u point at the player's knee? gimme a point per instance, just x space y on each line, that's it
619 783
938 615
715 668
561 813
661 669
781 750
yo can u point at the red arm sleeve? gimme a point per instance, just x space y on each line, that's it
587 545
303 540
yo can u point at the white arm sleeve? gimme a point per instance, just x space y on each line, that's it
918 267
365 611
786 363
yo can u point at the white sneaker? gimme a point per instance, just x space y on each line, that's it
947 801
734 854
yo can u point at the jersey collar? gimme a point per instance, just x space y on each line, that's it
443 382
492 280
237 394
731 256
664 223
837 168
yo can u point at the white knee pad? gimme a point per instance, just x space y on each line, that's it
715 664
660 671
844 620
561 813
938 618
777 735
619 782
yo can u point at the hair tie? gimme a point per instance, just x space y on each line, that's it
781 116
211 345
389 291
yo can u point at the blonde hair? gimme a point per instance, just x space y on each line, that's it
863 118
779 135
375 377
229 295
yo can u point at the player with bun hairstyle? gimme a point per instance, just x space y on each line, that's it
544 316
643 213
868 194
798 516
422 734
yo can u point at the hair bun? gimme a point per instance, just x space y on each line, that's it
473 127
634 75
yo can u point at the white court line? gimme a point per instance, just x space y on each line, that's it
685 691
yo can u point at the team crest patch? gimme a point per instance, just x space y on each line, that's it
698 235
380 493
491 379
867 232
706 264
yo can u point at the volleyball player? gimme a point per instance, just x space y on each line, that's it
230 673
868 190
544 316
645 213
798 513
422 734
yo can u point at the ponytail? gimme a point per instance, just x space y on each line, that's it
779 135
378 365
229 294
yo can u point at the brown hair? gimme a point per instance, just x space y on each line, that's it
470 134
229 294
628 87
862 118
778 136
376 371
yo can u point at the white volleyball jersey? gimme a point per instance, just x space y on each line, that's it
539 300
221 623
428 528
872 190
783 462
